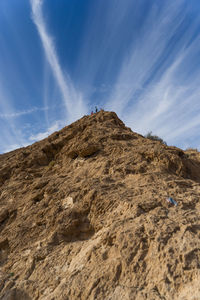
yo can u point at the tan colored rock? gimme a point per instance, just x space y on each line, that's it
89 217
68 202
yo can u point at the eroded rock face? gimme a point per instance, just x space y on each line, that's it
83 215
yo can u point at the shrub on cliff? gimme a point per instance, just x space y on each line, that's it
150 136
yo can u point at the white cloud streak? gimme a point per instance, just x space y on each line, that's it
14 146
72 99
171 107
9 135
144 55
41 135
169 103
22 113
156 87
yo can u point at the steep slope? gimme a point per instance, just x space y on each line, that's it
83 215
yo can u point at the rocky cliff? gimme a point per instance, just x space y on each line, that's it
83 215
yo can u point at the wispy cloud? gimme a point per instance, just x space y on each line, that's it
170 107
41 135
73 100
22 113
138 58
156 88
145 55
10 134
14 146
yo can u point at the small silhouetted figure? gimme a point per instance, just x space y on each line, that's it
91 112
96 109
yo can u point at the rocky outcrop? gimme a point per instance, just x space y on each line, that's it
83 215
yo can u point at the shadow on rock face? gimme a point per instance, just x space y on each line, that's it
76 229
4 250
16 294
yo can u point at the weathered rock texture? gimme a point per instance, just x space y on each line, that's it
83 215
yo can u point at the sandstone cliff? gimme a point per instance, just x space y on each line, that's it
83 215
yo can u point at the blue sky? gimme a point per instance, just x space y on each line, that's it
60 59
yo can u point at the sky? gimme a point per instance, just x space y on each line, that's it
60 59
